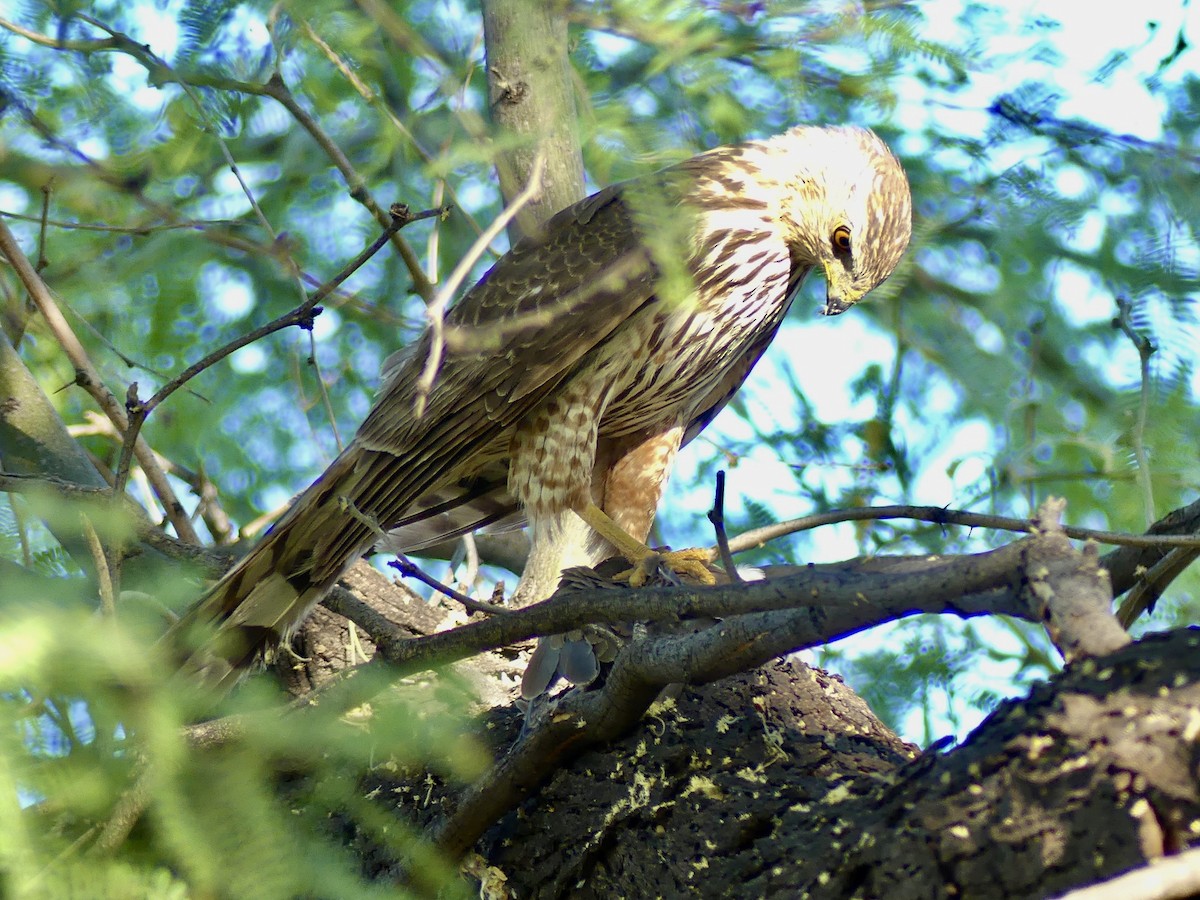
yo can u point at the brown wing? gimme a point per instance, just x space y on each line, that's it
525 327
520 331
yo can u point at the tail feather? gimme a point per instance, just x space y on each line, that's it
272 590
481 501
363 495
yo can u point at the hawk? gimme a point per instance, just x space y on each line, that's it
582 361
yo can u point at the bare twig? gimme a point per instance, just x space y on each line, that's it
42 262
1145 349
141 230
302 316
716 515
208 227
259 523
88 377
145 530
383 108
471 555
277 90
408 569
108 599
160 73
938 515
436 311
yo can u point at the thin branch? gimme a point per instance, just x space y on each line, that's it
145 530
436 311
1145 350
302 316
471 555
108 600
716 515
138 230
323 390
88 377
125 815
44 40
159 73
208 228
1153 582
408 569
378 627
278 91
938 515
373 98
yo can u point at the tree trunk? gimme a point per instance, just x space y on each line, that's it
531 92
781 782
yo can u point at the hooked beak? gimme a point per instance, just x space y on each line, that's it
835 306
840 293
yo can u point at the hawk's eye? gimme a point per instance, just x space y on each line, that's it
841 239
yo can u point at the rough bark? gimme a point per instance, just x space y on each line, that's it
34 441
532 98
780 782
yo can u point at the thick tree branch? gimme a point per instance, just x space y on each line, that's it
1167 878
780 783
532 97
1075 604
836 599
88 377
1049 581
784 616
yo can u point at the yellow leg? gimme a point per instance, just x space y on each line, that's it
692 563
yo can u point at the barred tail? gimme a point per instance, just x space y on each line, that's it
272 590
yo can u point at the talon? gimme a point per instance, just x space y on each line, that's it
691 563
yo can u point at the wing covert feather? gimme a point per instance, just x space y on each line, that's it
522 329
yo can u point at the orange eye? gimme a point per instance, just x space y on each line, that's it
841 238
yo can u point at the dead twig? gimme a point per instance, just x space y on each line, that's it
716 515
939 515
108 599
408 569
302 316
1152 583
436 311
1146 349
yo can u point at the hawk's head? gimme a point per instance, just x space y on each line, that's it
846 207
